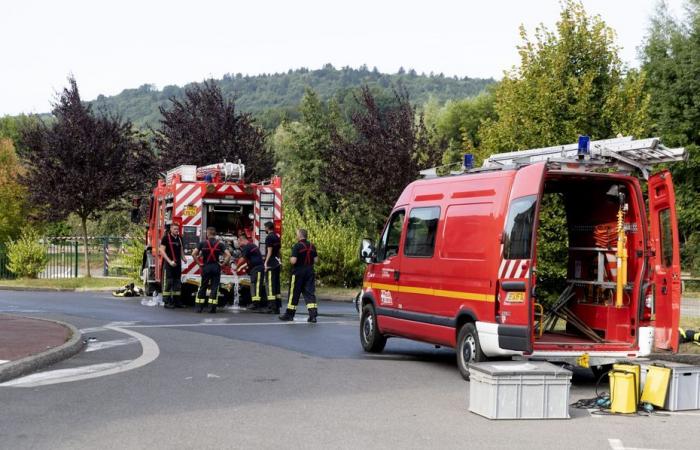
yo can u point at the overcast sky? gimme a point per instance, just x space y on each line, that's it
113 45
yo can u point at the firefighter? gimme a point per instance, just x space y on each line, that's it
211 249
303 281
256 270
273 265
171 251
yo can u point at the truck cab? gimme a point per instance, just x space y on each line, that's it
552 254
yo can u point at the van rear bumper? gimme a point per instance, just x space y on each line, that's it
490 340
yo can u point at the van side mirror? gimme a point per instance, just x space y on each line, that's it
367 251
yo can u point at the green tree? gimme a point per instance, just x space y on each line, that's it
302 155
570 81
82 162
671 59
455 127
13 196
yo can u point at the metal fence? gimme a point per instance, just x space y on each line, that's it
66 257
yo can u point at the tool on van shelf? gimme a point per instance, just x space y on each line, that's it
621 253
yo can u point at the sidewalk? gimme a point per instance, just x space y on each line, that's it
29 344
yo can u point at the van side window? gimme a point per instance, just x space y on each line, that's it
517 238
389 244
422 228
666 238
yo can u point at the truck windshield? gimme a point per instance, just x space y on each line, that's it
517 242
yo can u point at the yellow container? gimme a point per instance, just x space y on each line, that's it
656 385
636 369
623 390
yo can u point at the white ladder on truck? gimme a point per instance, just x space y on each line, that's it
625 154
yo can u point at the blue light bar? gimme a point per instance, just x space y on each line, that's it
584 145
468 161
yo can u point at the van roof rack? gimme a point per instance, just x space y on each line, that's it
625 154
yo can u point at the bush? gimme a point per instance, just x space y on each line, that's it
27 256
133 258
337 243
691 254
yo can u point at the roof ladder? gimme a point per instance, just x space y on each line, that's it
624 154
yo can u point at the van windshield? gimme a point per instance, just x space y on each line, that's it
517 243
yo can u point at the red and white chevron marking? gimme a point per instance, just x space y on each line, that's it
189 194
256 222
278 203
229 189
514 268
611 265
192 268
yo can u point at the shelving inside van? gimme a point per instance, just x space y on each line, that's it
577 263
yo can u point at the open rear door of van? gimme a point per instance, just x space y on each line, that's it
666 260
515 308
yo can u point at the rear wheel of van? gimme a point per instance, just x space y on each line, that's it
468 349
372 340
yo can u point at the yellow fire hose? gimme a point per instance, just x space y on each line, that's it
621 257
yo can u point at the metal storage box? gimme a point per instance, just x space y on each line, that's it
684 385
519 390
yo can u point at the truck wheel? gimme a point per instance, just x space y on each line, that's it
468 349
372 340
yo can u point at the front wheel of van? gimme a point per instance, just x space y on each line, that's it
468 349
372 340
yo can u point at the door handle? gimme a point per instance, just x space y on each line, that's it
396 275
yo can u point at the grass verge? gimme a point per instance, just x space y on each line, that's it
336 293
66 283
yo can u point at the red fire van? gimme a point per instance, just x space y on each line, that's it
457 262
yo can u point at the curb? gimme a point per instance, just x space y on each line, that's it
103 290
32 363
37 289
48 289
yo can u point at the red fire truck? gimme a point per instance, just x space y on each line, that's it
199 197
457 262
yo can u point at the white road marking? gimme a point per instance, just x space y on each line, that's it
94 346
14 310
212 375
105 327
150 352
250 324
3 361
616 444
92 330
224 320
57 376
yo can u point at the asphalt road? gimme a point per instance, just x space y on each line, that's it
155 378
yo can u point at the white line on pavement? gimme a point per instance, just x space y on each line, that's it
3 361
150 352
94 346
59 375
92 330
242 324
616 444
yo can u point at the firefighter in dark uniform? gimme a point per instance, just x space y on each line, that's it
211 249
303 258
171 251
256 270
273 265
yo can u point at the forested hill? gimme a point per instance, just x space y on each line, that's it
274 96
